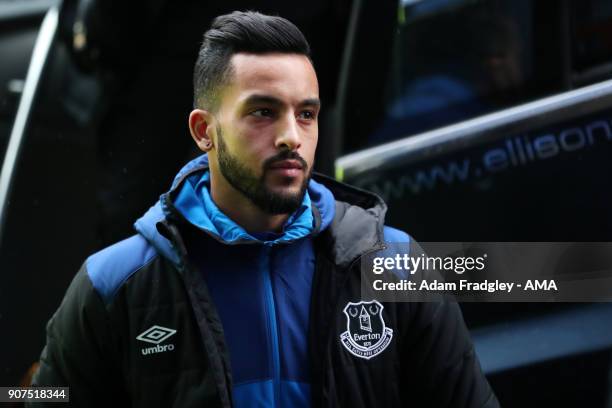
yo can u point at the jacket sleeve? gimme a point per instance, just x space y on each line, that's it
439 356
79 353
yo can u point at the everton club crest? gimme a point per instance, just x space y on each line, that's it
366 335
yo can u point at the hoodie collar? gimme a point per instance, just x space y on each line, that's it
322 203
194 202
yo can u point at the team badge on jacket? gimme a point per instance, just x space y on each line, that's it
366 335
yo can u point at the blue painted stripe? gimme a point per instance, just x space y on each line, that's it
515 344
271 314
112 266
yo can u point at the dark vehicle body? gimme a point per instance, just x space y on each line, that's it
491 119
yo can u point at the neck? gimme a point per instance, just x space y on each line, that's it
242 210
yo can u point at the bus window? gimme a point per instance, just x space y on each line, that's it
454 60
591 34
455 63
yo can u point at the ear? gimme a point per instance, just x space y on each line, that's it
201 128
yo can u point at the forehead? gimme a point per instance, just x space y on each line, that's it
285 76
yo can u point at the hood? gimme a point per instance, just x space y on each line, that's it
358 225
189 198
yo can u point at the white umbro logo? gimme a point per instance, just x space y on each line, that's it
156 334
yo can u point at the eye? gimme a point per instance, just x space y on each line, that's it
307 115
262 113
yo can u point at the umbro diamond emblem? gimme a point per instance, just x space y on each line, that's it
155 335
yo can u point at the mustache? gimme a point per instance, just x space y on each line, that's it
285 155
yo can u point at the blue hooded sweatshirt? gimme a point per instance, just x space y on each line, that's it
260 284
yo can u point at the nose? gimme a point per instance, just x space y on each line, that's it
288 134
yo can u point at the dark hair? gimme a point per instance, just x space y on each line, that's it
249 32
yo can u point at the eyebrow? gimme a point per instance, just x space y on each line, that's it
311 102
271 100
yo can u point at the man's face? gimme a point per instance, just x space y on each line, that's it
267 130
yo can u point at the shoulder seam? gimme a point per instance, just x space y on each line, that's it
129 275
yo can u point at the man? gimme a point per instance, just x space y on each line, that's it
241 281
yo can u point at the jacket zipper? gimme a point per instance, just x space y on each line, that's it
224 384
272 323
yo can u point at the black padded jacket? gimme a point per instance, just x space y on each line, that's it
91 346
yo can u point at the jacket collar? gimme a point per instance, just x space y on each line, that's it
353 219
358 226
194 202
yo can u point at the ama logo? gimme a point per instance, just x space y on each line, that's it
366 335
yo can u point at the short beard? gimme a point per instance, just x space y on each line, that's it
254 188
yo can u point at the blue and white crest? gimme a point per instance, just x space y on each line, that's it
366 335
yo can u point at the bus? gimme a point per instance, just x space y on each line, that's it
475 120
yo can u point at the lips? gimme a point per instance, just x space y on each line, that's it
287 164
287 168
